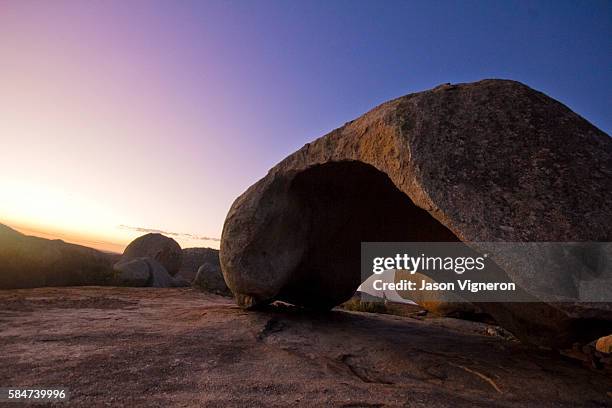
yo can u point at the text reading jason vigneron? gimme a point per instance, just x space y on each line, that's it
424 264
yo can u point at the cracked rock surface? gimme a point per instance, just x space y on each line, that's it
181 347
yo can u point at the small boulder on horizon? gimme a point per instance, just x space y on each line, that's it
156 246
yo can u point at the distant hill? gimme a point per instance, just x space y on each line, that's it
27 262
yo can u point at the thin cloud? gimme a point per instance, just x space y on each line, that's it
173 234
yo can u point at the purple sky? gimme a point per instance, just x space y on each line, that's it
157 114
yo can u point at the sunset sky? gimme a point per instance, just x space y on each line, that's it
118 117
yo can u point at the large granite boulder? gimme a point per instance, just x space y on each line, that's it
193 258
28 262
164 250
488 161
210 279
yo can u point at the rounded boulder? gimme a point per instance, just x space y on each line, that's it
163 249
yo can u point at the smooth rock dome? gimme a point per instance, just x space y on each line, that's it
481 162
163 249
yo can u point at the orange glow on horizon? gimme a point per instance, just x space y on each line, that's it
73 238
100 242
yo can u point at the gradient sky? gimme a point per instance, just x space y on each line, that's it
157 114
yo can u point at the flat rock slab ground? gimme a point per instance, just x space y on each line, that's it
180 347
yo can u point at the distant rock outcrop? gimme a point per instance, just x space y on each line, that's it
201 266
145 271
193 258
164 250
28 262
483 162
210 279
133 272
159 275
